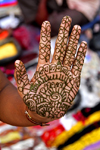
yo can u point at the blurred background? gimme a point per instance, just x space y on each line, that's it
20 22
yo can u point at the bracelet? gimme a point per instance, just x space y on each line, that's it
31 120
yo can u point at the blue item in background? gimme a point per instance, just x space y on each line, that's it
4 3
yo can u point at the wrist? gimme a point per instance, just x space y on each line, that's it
37 118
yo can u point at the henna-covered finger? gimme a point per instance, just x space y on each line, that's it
72 46
79 60
44 45
61 42
21 78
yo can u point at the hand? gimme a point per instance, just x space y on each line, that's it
55 84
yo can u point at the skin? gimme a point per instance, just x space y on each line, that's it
55 84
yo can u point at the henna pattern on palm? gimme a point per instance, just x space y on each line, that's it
54 85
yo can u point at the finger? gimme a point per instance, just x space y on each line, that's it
21 78
79 60
61 42
44 46
72 46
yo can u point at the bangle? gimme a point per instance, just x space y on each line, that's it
31 120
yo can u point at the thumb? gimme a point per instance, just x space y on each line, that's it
21 78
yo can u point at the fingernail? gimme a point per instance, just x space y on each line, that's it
16 62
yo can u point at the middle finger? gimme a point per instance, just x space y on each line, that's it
61 42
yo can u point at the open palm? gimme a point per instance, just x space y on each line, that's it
55 84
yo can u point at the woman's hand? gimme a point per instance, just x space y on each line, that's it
55 84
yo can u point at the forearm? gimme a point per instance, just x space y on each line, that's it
12 107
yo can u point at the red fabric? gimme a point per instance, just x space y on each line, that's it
22 36
49 135
4 34
27 36
79 116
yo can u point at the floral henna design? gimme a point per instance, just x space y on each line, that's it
54 86
55 89
52 92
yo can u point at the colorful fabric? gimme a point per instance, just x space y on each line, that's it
85 112
49 135
84 141
26 35
15 135
8 3
8 50
79 134
95 146
79 126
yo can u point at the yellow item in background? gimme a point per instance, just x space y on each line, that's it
60 139
84 141
7 50
10 137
